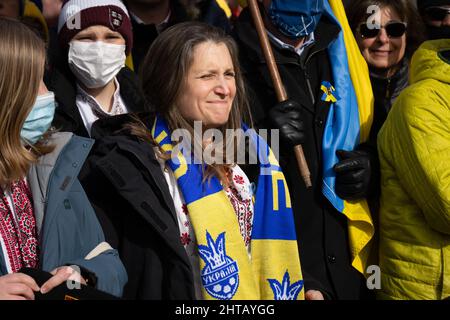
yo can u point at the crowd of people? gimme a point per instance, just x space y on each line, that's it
118 170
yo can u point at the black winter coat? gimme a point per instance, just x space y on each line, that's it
385 91
321 230
67 117
125 184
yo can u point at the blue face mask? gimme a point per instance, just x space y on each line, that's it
296 19
39 119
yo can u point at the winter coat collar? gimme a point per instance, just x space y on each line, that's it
386 90
63 84
131 166
325 33
114 126
427 64
51 178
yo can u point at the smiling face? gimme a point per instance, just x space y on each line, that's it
383 52
209 87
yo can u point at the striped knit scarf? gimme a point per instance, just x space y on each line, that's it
226 271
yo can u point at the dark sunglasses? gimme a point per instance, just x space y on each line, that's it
437 13
393 29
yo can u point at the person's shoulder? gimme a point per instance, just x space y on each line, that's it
127 131
66 149
67 142
417 96
127 73
119 125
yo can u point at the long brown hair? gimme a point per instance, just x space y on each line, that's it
164 72
356 12
22 60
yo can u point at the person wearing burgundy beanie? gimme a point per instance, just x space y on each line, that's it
436 15
89 76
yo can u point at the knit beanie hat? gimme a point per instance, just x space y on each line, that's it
77 15
423 4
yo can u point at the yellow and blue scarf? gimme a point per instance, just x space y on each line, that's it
227 272
348 125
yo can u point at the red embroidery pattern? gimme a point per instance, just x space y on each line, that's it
185 209
238 179
185 239
19 235
244 213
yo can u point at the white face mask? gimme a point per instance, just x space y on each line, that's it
96 63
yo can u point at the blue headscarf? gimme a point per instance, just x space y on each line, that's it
296 19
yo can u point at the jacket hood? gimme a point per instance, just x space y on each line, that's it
427 64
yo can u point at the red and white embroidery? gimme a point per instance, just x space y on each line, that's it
238 179
19 234
241 200
185 239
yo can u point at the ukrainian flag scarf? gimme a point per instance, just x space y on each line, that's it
348 125
227 272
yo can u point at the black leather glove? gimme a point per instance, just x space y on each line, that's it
287 117
354 173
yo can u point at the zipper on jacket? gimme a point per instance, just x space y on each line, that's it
308 83
308 80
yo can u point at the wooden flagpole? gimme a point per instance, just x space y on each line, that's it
277 83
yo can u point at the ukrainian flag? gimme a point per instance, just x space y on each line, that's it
348 125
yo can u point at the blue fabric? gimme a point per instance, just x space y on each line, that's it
267 223
71 229
279 224
39 119
228 272
342 125
296 19
38 4
3 269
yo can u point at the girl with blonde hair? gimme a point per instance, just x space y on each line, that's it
46 220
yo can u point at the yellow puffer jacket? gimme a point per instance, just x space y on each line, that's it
414 150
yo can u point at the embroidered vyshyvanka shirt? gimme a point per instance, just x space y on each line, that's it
18 239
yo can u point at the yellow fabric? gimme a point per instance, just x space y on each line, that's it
32 11
328 93
224 6
129 62
273 271
242 3
359 71
200 212
360 225
268 257
414 151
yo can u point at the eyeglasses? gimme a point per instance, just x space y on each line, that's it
393 29
437 13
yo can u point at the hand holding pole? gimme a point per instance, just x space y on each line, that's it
277 83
